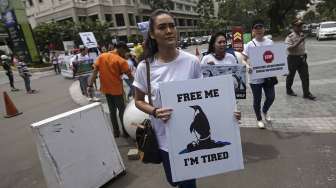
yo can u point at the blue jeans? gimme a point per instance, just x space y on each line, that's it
166 165
26 80
257 95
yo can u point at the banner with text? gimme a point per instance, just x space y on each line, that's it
238 72
203 135
268 61
88 39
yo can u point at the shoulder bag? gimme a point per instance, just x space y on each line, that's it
145 135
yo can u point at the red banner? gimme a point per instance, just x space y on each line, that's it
237 38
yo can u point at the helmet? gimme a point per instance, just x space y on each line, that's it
4 57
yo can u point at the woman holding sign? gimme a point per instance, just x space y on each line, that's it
217 51
257 85
166 64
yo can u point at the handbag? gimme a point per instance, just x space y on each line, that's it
145 135
270 81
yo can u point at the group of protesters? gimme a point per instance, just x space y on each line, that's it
167 63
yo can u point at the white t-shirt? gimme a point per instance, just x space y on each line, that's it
184 67
80 58
228 59
131 67
249 45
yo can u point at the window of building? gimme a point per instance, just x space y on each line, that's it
179 6
131 19
195 22
108 18
145 2
94 18
137 19
187 8
30 2
189 22
181 22
40 1
120 20
128 2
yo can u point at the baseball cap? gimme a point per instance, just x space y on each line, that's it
257 23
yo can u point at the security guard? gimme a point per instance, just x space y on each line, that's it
297 60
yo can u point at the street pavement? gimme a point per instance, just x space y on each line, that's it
298 150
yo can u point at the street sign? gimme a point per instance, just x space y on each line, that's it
88 39
237 42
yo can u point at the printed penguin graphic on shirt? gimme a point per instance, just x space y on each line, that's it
200 127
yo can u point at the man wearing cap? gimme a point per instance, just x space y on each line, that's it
297 60
111 66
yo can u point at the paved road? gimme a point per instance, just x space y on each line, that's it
297 151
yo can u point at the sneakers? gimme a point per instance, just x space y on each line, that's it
266 117
260 124
14 89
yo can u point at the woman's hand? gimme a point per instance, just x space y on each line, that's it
237 115
249 69
163 114
210 63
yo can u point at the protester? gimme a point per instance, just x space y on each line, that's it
297 60
132 66
75 62
6 64
217 51
257 85
54 60
166 64
111 66
25 74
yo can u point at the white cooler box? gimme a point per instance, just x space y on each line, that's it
77 149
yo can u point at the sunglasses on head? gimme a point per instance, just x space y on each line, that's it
258 26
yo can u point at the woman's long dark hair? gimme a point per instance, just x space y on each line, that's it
212 41
150 47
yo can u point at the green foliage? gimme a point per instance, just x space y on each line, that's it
55 32
205 8
327 10
162 4
310 17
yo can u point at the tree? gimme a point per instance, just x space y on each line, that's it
327 9
310 17
206 11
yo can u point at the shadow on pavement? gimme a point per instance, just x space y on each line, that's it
257 152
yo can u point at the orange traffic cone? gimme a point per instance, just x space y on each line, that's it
197 52
10 107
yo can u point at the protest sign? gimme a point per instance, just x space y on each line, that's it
268 61
203 134
84 67
88 39
143 27
237 71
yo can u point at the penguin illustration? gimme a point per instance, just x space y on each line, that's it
201 128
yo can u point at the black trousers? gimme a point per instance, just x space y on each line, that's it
115 102
11 79
298 63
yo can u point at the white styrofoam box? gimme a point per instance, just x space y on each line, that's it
77 148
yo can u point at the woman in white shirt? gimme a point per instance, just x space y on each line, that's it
257 85
216 51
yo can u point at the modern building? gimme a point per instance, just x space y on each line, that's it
121 14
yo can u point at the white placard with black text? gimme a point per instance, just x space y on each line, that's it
268 61
203 135
88 39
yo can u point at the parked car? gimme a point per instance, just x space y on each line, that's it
326 30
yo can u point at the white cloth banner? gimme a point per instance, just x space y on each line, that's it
203 134
268 61
88 39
